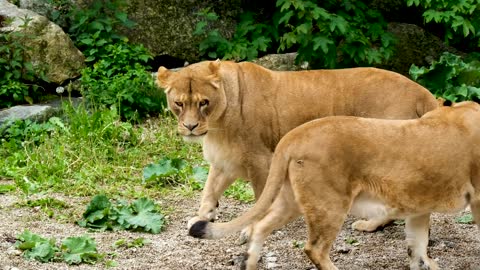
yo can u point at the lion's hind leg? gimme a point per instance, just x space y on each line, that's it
417 233
475 207
325 208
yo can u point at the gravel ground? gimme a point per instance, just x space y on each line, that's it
454 246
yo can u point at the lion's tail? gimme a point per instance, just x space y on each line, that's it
277 174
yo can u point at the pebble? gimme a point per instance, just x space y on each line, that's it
271 265
343 249
13 251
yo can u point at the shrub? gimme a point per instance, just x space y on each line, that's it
338 34
93 27
249 39
451 77
460 19
331 34
17 74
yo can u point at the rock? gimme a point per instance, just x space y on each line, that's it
281 62
39 112
12 251
166 27
50 48
414 46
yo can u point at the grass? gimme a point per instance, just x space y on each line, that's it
84 154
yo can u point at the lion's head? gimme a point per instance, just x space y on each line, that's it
195 95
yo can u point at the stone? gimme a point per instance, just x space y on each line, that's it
166 27
50 48
38 112
280 62
414 45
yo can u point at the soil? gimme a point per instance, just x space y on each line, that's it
453 245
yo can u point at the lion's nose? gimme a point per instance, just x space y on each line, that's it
190 127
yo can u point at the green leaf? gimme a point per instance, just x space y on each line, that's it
80 249
141 215
321 42
164 168
465 219
339 23
36 247
199 28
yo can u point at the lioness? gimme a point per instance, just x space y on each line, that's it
242 110
327 166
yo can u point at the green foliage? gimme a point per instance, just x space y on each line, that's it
17 74
465 219
351 241
141 215
335 33
331 34
93 27
47 205
120 79
35 247
136 243
86 152
249 38
460 19
169 171
74 250
6 188
240 190
80 249
451 77
13 133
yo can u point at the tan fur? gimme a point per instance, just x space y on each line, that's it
412 167
250 108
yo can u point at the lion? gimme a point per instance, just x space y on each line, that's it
329 167
240 111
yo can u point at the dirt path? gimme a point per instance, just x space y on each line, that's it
455 246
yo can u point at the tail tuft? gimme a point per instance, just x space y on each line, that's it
198 230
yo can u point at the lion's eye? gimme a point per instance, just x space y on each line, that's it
179 104
203 103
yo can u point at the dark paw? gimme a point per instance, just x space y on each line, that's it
243 261
198 229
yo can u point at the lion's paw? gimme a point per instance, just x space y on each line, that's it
364 226
424 264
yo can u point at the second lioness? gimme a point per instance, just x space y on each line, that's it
410 168
242 110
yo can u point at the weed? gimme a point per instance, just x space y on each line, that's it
6 188
141 215
36 247
135 243
240 190
465 219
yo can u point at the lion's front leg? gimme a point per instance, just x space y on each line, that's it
417 232
217 183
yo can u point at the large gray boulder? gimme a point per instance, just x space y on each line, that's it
166 27
414 45
50 48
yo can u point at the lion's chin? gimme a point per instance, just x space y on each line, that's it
194 138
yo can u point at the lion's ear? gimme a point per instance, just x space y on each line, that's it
214 67
162 77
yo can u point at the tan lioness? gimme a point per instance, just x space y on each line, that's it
327 166
241 111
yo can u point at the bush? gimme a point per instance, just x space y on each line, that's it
93 27
459 19
17 75
331 34
451 77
